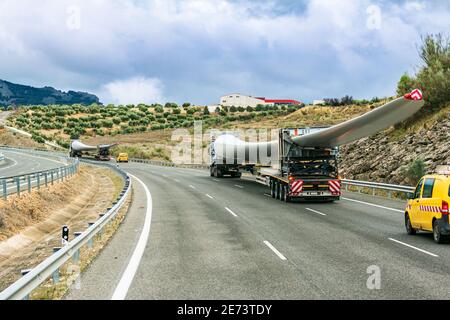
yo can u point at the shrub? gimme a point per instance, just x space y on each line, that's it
37 138
116 120
414 171
433 77
107 124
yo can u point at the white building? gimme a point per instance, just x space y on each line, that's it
240 100
318 102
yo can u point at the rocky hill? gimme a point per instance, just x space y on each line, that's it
16 94
380 158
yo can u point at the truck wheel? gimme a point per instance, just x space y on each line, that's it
286 198
409 228
438 238
272 189
278 191
282 192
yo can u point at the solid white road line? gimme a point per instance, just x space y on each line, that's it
267 195
215 180
127 278
322 214
230 211
278 253
238 186
176 180
192 187
374 205
418 249
209 196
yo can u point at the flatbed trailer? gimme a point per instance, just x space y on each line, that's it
299 173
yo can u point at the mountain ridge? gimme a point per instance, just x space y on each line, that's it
18 94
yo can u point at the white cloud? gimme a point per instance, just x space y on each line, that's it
133 91
201 49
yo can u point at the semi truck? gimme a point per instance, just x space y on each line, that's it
100 152
289 170
302 163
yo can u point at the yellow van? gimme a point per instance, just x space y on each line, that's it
122 157
428 207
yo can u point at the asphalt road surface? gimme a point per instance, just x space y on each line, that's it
227 239
20 163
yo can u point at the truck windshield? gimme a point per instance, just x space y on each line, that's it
314 168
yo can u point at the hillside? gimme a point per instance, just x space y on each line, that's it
16 94
381 158
146 132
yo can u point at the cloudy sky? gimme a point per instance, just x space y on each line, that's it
130 51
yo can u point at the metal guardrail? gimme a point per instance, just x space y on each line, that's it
25 285
170 164
18 184
390 188
40 150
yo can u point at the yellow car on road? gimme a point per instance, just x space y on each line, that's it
122 157
428 207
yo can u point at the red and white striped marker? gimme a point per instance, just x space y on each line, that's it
335 186
297 186
416 94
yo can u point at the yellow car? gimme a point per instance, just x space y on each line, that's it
122 157
428 207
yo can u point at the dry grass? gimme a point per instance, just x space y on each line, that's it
33 222
13 139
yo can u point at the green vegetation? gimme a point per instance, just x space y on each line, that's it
433 77
414 171
61 123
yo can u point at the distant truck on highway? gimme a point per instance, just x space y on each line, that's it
296 172
100 152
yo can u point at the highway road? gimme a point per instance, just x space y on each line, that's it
201 238
20 163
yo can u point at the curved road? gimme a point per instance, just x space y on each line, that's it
226 239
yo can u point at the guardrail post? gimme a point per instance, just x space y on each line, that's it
100 232
90 243
52 176
76 255
24 273
18 186
46 179
38 180
29 183
55 275
5 190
